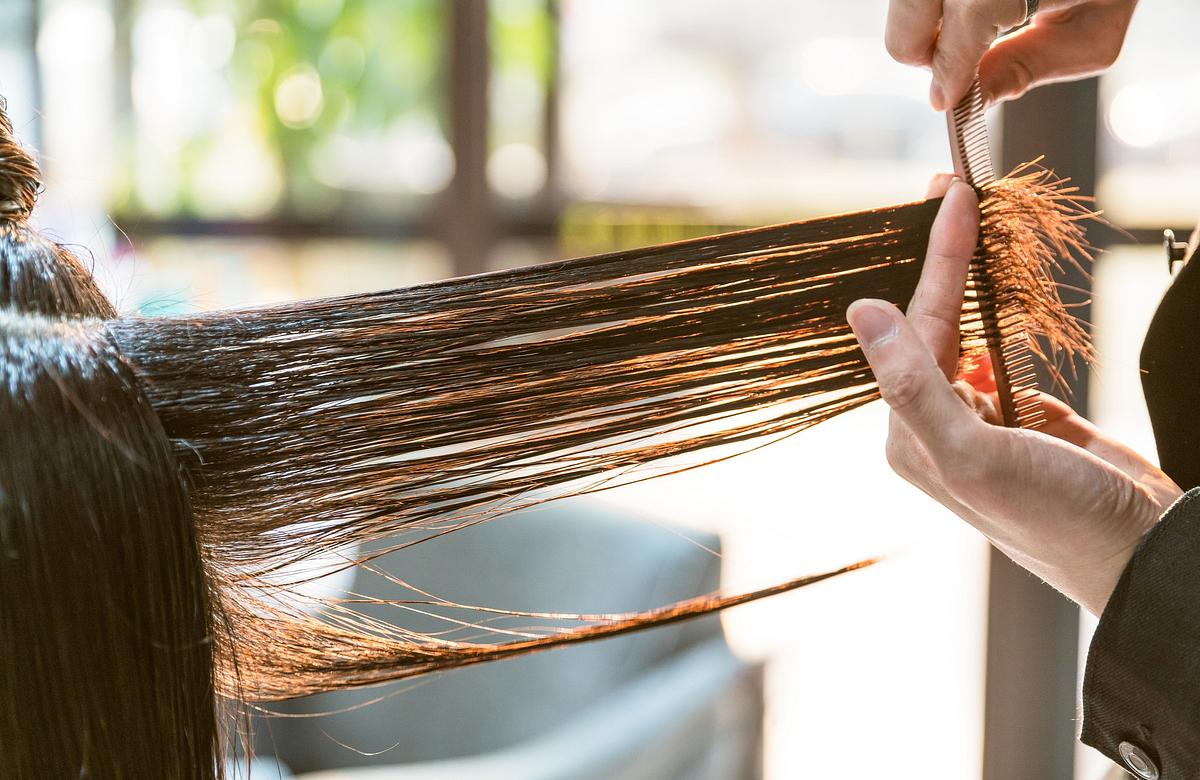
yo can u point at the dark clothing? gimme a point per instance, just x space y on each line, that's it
1141 688
1142 683
1171 377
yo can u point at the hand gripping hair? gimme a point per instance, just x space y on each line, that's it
160 477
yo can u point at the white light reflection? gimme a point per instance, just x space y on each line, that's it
517 170
177 88
411 157
211 41
299 98
517 97
1137 115
76 34
835 66
238 176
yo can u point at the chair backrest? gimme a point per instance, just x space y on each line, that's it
569 556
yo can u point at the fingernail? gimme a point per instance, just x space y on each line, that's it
937 98
960 189
872 324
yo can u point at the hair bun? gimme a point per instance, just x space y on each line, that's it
20 177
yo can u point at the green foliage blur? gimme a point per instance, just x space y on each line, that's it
376 61
282 109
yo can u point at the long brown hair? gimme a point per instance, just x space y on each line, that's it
259 439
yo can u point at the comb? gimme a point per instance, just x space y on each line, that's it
1007 341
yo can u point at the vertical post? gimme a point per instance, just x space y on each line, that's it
466 220
1033 632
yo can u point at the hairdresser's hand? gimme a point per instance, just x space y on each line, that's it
1065 502
1066 39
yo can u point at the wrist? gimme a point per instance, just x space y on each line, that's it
1118 535
1083 567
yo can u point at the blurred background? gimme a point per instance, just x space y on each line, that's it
213 153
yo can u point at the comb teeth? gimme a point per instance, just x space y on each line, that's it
1022 379
1007 338
969 139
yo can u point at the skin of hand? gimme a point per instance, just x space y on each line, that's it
1066 39
1065 502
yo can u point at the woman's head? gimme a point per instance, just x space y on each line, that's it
106 652
106 649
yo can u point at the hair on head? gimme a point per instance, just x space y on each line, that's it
105 637
20 177
37 275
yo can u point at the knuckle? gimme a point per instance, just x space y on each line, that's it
1022 76
983 14
952 70
962 44
904 49
902 389
936 327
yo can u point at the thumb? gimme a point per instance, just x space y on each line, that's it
1082 44
910 380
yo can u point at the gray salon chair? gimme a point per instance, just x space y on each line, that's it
667 703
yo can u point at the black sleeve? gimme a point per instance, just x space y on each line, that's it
1141 689
1170 370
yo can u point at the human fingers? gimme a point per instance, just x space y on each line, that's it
938 185
1063 423
912 28
1071 43
983 404
904 452
910 381
936 307
968 28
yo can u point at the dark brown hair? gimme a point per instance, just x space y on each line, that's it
105 636
167 474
